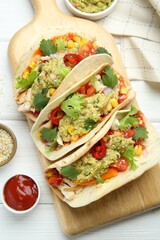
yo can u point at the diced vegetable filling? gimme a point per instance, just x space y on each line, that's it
114 153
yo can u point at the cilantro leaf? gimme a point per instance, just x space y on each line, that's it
26 83
140 133
73 105
102 50
99 180
49 134
48 47
109 78
129 155
129 120
70 172
61 44
89 124
40 100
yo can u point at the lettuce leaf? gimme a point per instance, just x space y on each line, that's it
129 120
129 155
26 83
73 105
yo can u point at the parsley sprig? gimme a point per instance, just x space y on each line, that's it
48 47
109 78
40 100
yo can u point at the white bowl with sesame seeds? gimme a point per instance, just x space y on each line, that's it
8 144
91 16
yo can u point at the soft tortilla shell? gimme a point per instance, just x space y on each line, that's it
44 116
48 34
147 160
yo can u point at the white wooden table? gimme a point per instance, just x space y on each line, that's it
43 222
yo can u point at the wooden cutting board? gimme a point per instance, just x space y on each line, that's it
138 196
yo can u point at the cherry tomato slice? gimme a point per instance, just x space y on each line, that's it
71 60
55 115
121 98
86 89
99 150
128 133
55 180
90 91
35 114
121 165
140 118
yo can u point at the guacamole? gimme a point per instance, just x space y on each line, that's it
51 74
91 6
93 108
89 167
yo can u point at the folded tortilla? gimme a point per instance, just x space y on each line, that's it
24 100
78 197
43 121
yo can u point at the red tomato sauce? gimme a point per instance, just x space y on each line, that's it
20 192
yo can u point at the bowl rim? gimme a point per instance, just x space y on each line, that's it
13 136
12 210
91 14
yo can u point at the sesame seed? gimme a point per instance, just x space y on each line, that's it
6 145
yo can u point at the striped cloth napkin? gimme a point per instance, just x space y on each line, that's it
137 23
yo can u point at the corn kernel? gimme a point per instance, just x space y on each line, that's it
83 42
25 73
74 137
51 91
94 45
105 138
138 149
39 134
114 102
32 65
49 174
76 39
70 129
70 44
123 90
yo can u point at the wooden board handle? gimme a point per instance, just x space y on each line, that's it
47 7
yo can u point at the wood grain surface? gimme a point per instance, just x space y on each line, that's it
135 197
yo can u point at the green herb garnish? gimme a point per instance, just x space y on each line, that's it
40 100
70 172
109 78
48 47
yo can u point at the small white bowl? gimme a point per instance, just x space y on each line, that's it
20 212
91 16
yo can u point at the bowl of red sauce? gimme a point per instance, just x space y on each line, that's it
20 194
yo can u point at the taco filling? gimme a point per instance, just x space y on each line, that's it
81 111
49 65
114 153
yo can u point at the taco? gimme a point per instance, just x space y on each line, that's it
74 117
121 151
46 66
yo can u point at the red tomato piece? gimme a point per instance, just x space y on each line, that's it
99 149
71 60
140 118
121 165
90 91
55 115
128 133
121 98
